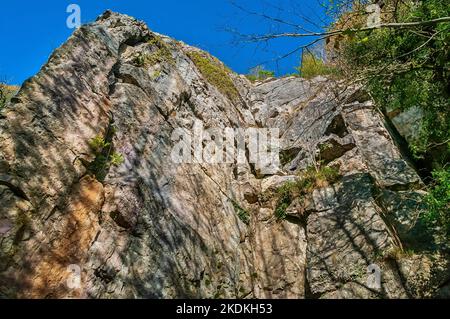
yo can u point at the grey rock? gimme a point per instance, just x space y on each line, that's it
152 228
344 238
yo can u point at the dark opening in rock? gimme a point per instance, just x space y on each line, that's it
332 149
120 220
337 127
289 155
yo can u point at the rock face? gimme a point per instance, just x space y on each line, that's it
76 224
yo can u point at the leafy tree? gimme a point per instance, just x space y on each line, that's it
438 200
409 68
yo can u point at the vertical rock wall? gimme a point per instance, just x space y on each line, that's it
150 228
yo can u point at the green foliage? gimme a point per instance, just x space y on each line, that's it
161 54
313 178
407 68
313 66
116 159
259 74
105 156
243 215
98 143
99 167
325 146
215 73
141 59
309 180
264 74
438 200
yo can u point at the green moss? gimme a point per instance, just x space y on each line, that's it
156 74
141 59
216 74
161 54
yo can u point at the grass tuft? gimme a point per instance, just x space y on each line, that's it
216 74
307 182
161 54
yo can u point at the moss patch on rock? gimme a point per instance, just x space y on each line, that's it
160 54
215 73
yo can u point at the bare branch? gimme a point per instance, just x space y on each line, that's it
268 17
404 25
299 14
297 49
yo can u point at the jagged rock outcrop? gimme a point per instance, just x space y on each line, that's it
148 227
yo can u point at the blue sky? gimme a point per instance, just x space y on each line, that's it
31 30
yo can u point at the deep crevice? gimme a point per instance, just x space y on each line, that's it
101 165
17 191
423 167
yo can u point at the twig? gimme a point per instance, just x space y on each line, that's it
403 25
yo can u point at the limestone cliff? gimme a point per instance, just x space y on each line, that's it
146 227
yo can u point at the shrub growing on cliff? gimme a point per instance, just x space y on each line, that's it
404 62
286 195
260 74
308 180
98 143
313 66
116 159
105 155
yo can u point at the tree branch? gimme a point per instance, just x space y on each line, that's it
403 25
268 17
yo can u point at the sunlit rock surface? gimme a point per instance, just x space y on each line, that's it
151 228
